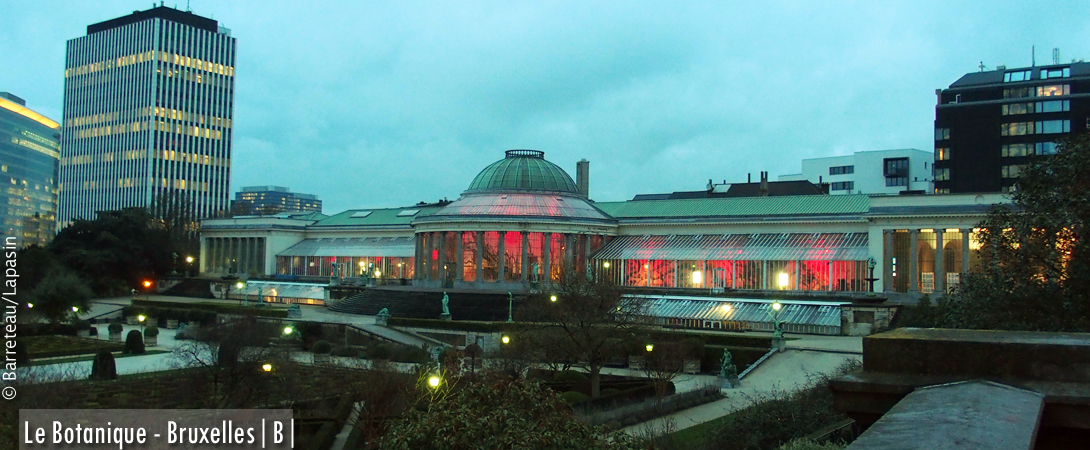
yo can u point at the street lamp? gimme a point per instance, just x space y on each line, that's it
650 347
777 324
141 318
433 381
288 330
506 340
75 309
871 263
726 307
29 305
239 285
552 298
266 367
510 305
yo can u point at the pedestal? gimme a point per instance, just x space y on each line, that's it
444 317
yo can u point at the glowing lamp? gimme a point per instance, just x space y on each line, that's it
433 381
267 367
605 264
505 340
189 259
141 317
361 263
147 283
777 306
697 278
650 347
378 273
725 307
552 298
29 305
288 330
239 285
75 309
783 280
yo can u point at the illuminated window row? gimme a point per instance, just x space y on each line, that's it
1039 148
133 127
942 154
34 146
103 157
1042 127
167 57
166 113
51 143
184 184
1037 107
1039 91
171 155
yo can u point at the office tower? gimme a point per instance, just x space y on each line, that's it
989 124
29 149
148 101
273 199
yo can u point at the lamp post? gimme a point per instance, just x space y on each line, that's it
777 325
870 279
239 285
188 265
510 305
141 319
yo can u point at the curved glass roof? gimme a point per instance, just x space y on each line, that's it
523 170
499 205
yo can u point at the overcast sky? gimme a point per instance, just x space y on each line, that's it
370 104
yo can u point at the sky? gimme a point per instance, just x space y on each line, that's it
384 104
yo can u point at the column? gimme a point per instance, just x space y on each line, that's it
546 259
797 272
418 260
525 272
887 260
460 257
442 256
480 256
940 277
913 270
586 259
965 251
499 257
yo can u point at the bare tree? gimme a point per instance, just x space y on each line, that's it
587 325
233 356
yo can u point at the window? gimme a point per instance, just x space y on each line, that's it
1017 108
1055 73
895 167
896 181
941 154
843 186
841 170
1045 148
1016 128
942 174
1018 92
942 133
1053 90
1053 106
1013 171
1053 126
1021 75
1016 150
942 190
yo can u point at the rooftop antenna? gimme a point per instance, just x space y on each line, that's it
187 7
1056 55
1033 55
982 66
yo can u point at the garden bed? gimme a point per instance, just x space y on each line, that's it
59 345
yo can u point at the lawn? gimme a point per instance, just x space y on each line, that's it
59 345
117 355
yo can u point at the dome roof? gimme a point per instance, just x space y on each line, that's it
523 170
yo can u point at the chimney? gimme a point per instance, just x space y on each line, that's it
764 184
749 178
582 177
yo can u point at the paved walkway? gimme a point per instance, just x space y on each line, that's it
786 371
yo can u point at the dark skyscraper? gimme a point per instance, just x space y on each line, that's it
28 161
148 102
989 125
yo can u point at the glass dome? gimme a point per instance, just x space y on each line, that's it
523 170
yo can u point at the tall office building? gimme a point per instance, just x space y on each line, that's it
148 102
273 199
989 124
29 148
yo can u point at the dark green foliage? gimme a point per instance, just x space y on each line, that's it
104 366
115 328
343 350
569 375
151 332
134 343
321 347
503 413
379 351
1035 257
573 397
58 292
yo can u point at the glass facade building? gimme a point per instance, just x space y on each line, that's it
273 199
148 102
29 151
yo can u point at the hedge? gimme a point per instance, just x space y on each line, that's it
484 327
170 310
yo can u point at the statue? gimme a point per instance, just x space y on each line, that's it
383 317
727 371
446 309
534 271
384 312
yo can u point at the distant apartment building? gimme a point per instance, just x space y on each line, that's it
870 172
990 124
273 199
148 106
29 151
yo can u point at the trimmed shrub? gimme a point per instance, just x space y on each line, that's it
321 347
380 351
104 366
134 343
115 328
343 350
573 397
570 375
151 331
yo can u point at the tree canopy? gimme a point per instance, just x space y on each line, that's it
1036 254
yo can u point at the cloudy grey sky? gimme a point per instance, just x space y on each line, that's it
371 104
